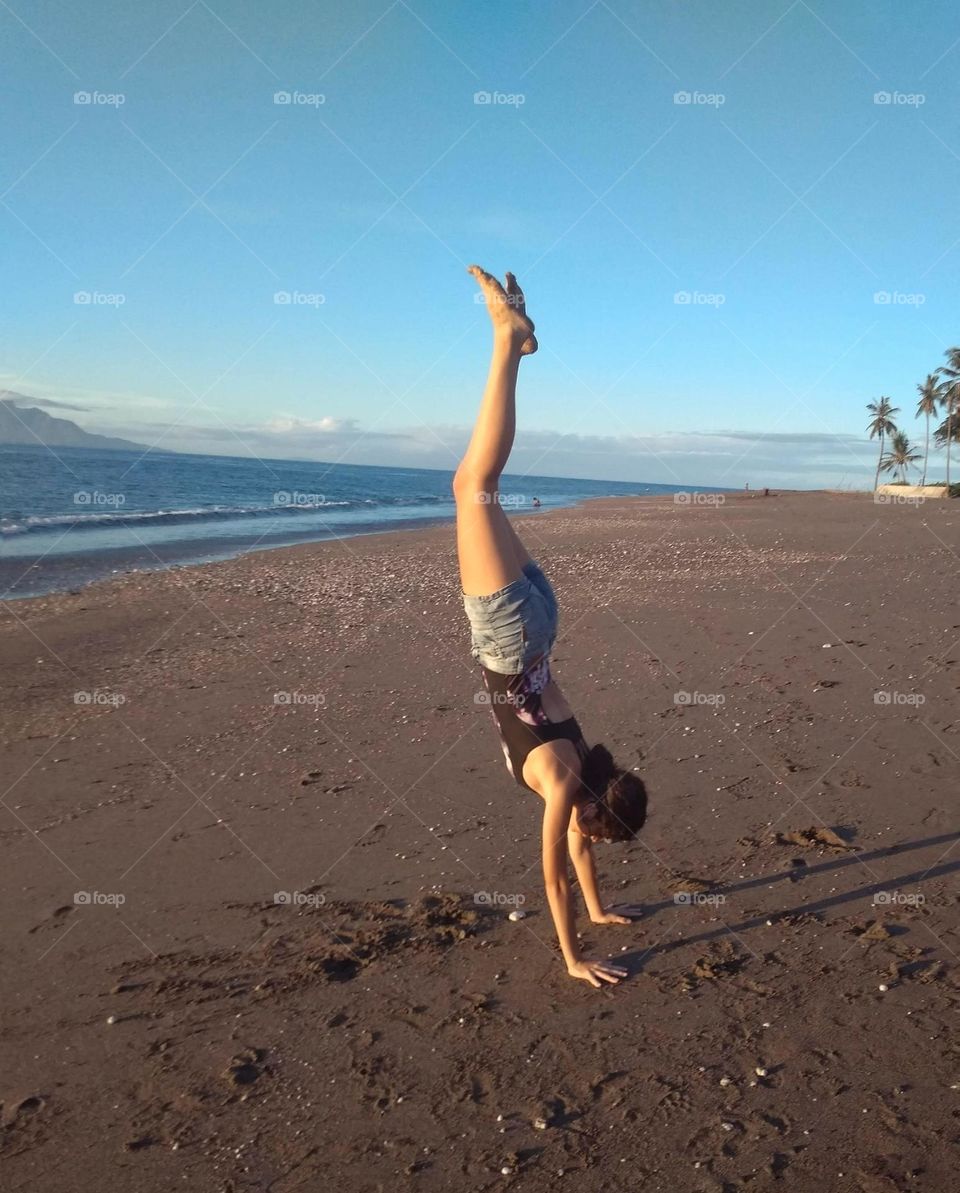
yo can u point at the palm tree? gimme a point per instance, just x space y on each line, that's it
901 456
948 432
881 423
950 394
931 393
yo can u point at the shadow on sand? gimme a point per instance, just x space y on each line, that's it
634 961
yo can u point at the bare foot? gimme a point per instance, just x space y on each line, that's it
507 309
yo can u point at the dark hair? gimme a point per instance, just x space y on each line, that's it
613 802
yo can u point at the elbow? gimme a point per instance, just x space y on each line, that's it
577 843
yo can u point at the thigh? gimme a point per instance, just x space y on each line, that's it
523 555
485 545
535 574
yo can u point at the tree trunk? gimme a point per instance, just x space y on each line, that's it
949 438
926 451
876 479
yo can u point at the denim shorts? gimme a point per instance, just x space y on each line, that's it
512 628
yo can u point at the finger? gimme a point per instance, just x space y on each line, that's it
593 981
612 969
608 977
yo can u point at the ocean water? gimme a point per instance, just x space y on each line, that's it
71 515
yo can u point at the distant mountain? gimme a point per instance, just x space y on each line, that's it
29 426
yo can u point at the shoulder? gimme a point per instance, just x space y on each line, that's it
553 770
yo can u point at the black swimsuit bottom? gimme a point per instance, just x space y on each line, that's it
516 704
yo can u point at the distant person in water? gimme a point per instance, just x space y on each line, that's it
536 503
512 609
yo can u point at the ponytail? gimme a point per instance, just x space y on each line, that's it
614 801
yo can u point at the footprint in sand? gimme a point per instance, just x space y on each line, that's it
18 1110
246 1067
55 918
812 838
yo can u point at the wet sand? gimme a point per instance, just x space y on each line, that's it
180 748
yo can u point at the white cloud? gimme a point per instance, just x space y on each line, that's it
727 457
286 424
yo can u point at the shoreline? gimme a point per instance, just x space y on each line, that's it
78 571
127 513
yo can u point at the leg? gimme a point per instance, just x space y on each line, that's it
489 551
523 555
485 539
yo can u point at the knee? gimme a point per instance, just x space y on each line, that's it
468 483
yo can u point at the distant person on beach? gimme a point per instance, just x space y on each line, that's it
512 609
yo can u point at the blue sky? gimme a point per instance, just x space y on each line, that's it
782 199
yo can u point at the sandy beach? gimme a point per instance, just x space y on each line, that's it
260 848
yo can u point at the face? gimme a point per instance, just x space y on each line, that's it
585 832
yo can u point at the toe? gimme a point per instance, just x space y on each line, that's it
489 284
516 294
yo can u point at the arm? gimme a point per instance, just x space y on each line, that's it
555 877
582 856
556 817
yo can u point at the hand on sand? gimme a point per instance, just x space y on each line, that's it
507 308
596 972
620 915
